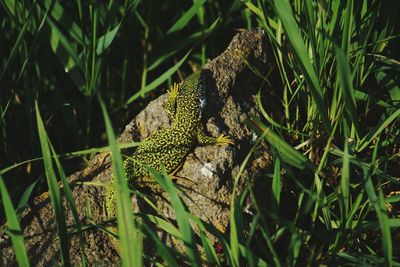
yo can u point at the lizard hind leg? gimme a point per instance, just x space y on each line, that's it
111 214
110 200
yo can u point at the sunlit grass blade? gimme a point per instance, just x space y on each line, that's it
164 225
294 249
105 40
211 254
292 31
276 184
14 229
182 218
59 14
131 243
54 190
187 16
345 180
10 6
347 30
392 199
3 111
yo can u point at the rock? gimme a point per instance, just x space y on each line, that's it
231 99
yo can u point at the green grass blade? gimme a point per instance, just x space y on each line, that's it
105 40
292 30
380 209
276 184
211 254
164 225
285 151
235 233
377 130
25 197
387 81
206 227
54 190
294 249
360 95
162 249
17 237
59 14
345 180
378 203
268 118
4 111
179 46
236 224
162 78
346 37
10 6
67 54
186 17
19 40
70 200
70 154
167 74
181 216
392 199
131 244
346 81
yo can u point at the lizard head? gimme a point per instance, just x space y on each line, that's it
194 87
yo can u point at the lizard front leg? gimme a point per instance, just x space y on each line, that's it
204 139
170 107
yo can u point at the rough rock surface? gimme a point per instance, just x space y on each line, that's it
231 92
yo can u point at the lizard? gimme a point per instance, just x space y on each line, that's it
168 147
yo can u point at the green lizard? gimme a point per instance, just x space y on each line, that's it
168 147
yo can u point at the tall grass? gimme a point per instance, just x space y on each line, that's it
336 201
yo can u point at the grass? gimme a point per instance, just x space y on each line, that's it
337 78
